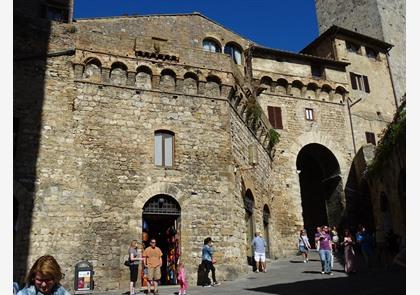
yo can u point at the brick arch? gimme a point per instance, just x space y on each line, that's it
143 77
92 69
281 86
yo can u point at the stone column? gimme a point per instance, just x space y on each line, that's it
201 87
179 85
105 74
131 78
78 71
225 91
155 81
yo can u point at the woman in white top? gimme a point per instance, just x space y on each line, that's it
304 245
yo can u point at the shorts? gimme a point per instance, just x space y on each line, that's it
303 249
259 256
153 273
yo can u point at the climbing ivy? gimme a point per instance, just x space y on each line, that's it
390 137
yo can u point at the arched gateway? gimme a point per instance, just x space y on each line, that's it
162 221
320 186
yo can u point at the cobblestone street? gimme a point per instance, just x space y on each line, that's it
292 276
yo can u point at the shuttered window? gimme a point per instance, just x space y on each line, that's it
359 82
274 116
164 141
370 138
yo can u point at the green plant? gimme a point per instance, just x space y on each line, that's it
253 114
390 137
273 138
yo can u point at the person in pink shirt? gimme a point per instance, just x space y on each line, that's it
182 279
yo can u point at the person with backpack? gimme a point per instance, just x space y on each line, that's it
134 257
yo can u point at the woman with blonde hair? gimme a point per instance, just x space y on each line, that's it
44 278
134 257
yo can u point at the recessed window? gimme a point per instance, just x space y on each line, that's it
370 138
351 47
56 11
359 82
211 46
371 53
317 71
164 147
274 116
235 52
309 114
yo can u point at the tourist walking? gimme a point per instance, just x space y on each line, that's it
259 244
182 279
303 245
349 255
153 257
44 278
335 239
134 257
364 239
325 248
208 261
317 234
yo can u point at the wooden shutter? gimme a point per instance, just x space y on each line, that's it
366 83
353 81
274 116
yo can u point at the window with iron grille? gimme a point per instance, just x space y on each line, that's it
164 146
274 116
359 82
309 114
370 138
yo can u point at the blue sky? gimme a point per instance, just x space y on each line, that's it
282 24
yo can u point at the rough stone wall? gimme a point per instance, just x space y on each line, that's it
381 19
376 108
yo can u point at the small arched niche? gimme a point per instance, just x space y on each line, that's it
339 94
311 91
168 80
118 74
213 86
281 87
266 82
190 83
325 92
92 70
296 88
144 77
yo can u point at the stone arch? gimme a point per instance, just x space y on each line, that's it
339 94
92 69
234 50
266 82
296 89
190 83
143 77
321 187
158 188
168 80
266 227
311 90
213 86
325 92
118 73
211 44
249 205
281 87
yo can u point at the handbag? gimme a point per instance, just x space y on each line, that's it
127 263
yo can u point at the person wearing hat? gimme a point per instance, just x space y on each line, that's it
208 262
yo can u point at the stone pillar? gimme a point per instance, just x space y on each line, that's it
303 91
225 91
201 87
179 85
105 74
155 81
78 71
131 78
317 92
288 89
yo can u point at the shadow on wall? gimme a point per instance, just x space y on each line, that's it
30 43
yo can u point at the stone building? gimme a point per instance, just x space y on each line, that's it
175 127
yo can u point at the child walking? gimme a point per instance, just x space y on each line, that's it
182 279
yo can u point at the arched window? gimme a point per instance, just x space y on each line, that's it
190 83
211 45
144 77
235 52
213 86
92 70
164 148
118 74
168 79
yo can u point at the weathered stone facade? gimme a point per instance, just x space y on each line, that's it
89 148
380 19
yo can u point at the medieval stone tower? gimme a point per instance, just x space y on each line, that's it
380 19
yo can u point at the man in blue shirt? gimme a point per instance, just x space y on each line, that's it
259 244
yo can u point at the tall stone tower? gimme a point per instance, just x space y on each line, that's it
380 19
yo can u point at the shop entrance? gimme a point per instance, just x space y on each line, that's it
162 221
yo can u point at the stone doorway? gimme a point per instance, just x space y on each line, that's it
249 220
320 186
162 221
